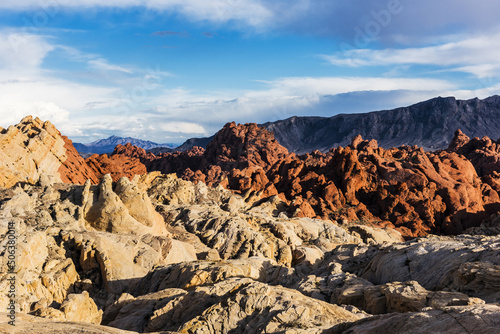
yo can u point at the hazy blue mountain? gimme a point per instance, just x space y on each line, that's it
108 145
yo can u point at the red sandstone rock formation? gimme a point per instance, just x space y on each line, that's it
242 146
125 161
414 191
483 153
74 169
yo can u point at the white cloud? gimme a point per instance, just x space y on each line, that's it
43 110
50 99
183 127
78 109
88 113
93 61
289 97
252 13
477 55
136 103
21 52
333 18
303 86
26 88
69 95
103 65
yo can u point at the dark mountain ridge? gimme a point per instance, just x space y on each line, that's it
429 124
192 142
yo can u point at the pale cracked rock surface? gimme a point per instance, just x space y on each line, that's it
238 229
396 297
29 148
158 254
238 305
469 264
58 251
76 307
123 259
122 208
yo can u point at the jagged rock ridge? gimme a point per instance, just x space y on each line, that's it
32 148
414 191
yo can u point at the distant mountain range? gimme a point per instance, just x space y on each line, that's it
108 145
430 124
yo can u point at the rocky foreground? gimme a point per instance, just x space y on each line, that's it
160 254
157 253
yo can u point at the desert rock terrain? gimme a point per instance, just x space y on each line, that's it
246 237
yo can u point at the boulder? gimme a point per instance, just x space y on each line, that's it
123 209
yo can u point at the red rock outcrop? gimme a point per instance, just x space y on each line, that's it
483 153
242 146
414 191
75 170
418 192
125 161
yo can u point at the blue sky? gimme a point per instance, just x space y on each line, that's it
171 70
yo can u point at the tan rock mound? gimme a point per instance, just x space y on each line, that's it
75 308
33 147
234 305
123 208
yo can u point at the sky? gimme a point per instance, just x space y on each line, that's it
169 70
